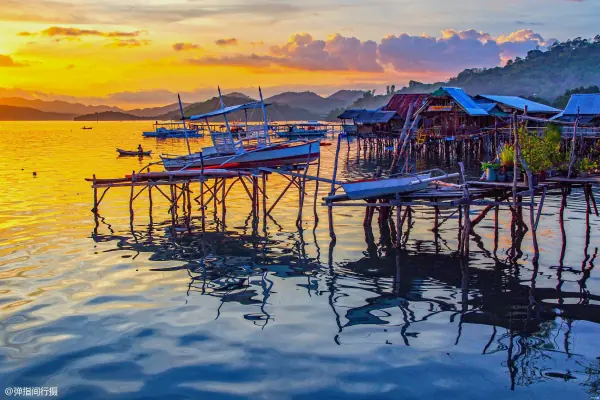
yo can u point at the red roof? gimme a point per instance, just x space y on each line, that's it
401 102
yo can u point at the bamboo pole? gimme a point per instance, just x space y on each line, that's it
335 166
303 186
513 126
203 211
95 208
131 196
317 190
573 156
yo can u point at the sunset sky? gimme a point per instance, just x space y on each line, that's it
137 53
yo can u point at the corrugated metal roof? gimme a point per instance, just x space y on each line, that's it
375 117
487 106
465 101
401 103
587 104
519 103
352 113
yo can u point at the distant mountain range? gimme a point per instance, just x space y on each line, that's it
548 77
290 106
279 112
319 106
109 116
55 106
11 113
544 75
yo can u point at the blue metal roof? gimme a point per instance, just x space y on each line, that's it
487 106
465 101
587 104
351 113
228 110
375 117
519 103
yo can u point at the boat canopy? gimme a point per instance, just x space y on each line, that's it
228 110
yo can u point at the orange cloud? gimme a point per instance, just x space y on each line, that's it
129 43
226 42
181 46
450 52
58 31
8 61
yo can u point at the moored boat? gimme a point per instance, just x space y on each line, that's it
395 184
173 129
276 155
377 187
307 129
254 150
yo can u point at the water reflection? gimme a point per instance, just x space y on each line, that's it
408 292
268 307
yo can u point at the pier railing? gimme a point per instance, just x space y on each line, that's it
592 132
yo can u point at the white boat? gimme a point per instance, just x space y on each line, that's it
307 129
275 155
173 129
254 150
379 187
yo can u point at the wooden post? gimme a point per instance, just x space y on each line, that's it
189 205
131 196
573 145
202 203
513 125
335 167
95 208
303 186
317 190
223 204
399 226
264 200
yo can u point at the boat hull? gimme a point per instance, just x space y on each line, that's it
133 153
174 135
275 156
303 133
384 187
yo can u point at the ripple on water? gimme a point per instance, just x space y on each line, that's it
136 311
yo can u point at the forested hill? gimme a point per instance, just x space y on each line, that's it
543 74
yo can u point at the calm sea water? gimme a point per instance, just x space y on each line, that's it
120 310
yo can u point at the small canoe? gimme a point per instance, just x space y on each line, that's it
87 127
133 153
378 187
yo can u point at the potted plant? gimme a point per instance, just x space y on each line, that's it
586 166
538 153
491 170
507 160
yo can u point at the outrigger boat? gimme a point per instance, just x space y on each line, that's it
307 129
394 184
173 129
254 150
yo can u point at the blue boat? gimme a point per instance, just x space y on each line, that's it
306 129
174 129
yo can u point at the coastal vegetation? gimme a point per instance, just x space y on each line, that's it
544 74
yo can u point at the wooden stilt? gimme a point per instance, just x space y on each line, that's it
202 205
95 208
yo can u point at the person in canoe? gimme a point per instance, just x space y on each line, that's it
140 149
